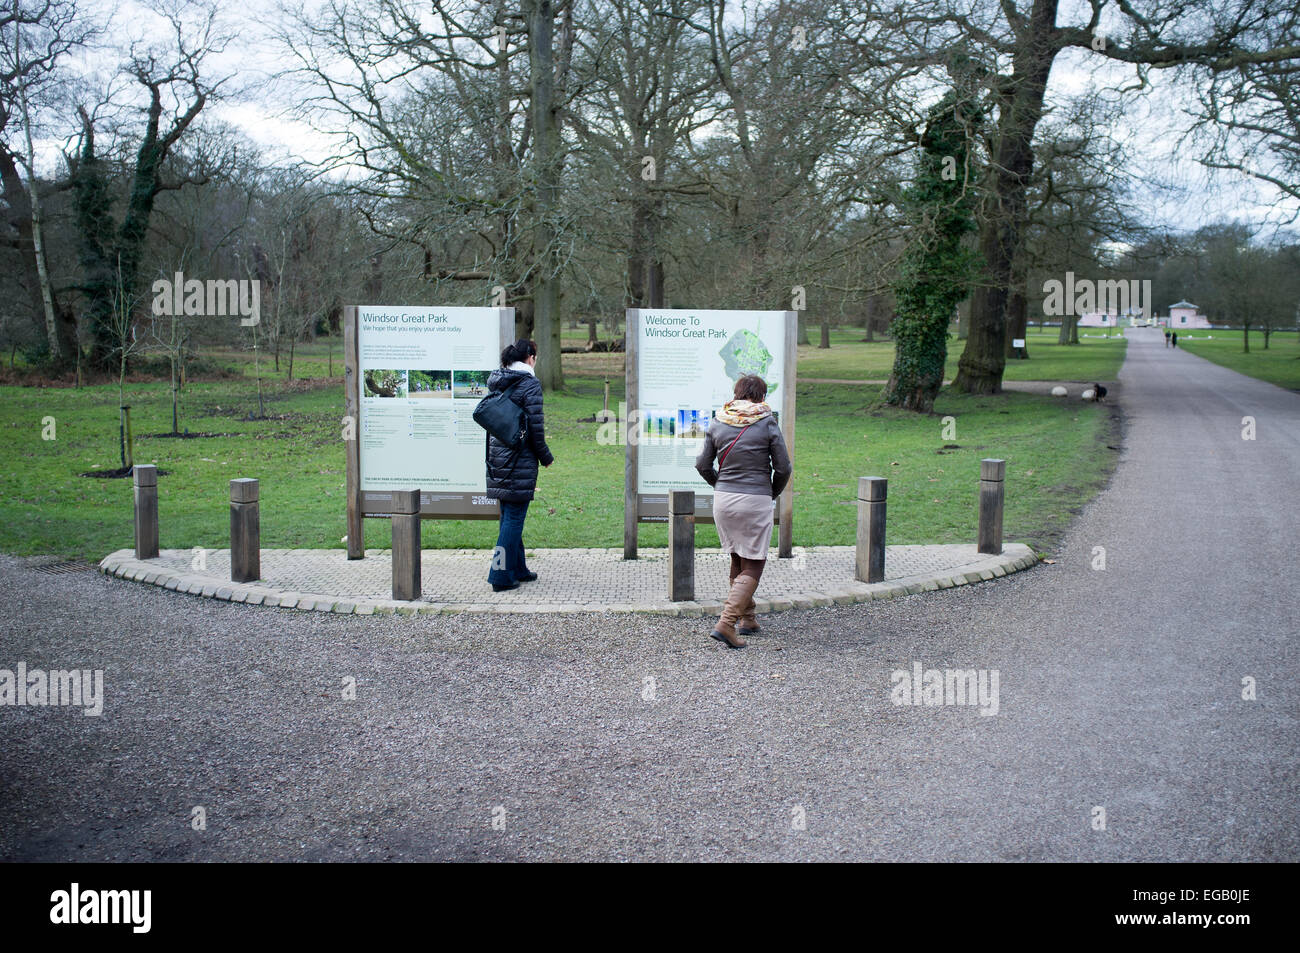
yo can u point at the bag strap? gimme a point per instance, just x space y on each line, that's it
512 385
722 459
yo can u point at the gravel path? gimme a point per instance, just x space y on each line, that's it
1119 689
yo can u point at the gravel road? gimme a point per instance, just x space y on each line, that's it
1119 689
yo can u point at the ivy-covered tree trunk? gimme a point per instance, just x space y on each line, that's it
936 270
985 356
110 257
95 233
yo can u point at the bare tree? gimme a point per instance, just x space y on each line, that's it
1250 117
34 38
1013 46
811 160
1240 281
648 86
454 128
173 83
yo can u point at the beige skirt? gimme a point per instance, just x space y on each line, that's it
744 522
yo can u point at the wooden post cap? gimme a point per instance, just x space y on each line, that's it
681 502
145 474
406 502
993 470
872 489
243 490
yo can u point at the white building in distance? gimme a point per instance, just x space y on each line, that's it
1184 314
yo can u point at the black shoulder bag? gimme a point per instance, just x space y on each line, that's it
502 418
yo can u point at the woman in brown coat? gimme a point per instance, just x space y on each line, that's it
753 467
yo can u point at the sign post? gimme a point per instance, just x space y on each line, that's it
682 366
412 377
631 430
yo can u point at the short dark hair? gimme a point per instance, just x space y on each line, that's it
751 387
521 350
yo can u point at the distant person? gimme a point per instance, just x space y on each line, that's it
1166 339
512 474
1174 339
753 468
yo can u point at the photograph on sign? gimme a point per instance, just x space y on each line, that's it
688 362
421 383
423 370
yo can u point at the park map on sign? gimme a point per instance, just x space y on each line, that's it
745 354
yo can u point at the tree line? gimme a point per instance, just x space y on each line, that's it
875 162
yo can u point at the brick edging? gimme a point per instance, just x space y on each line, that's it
122 564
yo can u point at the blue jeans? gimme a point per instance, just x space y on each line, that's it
508 557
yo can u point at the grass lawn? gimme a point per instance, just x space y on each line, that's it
1056 451
850 358
1093 359
1279 365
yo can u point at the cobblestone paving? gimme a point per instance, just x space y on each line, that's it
570 580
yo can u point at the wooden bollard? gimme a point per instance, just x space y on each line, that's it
406 545
870 565
245 531
145 478
681 545
992 481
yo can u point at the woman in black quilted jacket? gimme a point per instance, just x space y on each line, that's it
512 474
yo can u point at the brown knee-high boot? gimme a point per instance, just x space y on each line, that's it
742 590
748 624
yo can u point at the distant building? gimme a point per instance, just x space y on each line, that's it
1109 319
1184 314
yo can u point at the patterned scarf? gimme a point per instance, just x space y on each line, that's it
742 413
